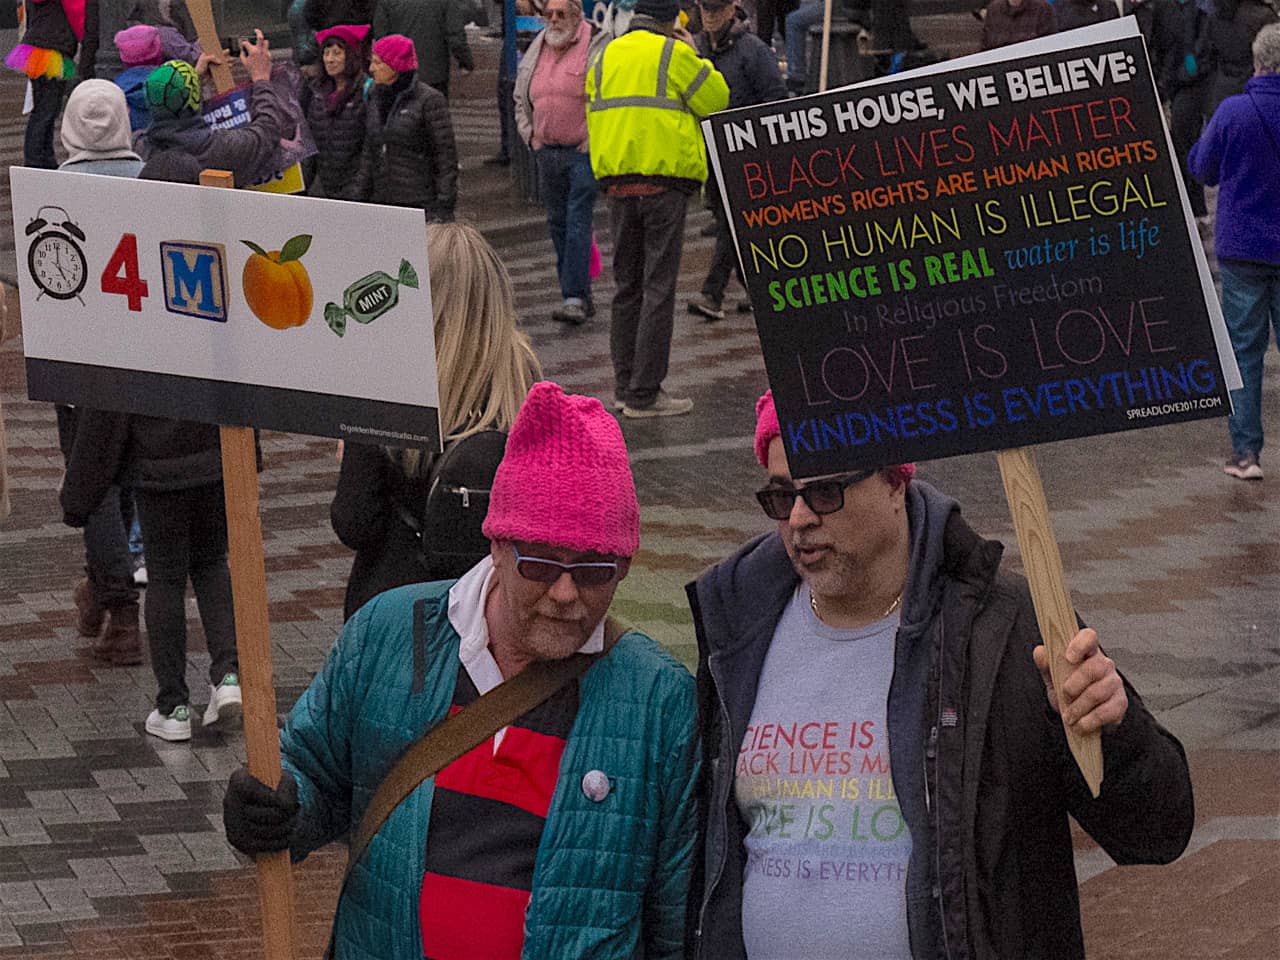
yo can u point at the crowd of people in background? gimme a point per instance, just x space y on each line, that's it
374 94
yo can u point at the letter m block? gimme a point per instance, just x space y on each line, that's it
195 279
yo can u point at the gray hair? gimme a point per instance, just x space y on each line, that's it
1266 50
573 5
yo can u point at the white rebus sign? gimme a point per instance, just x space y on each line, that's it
246 309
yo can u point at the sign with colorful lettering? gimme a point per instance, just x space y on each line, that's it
989 253
206 304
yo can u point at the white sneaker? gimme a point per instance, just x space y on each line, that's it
663 406
176 726
224 700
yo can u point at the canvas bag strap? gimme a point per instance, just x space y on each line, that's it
464 731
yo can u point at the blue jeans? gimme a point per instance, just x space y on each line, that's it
798 24
1251 305
568 189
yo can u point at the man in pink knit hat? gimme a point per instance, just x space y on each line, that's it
884 745
571 833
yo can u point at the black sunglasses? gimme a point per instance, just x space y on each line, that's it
595 573
820 496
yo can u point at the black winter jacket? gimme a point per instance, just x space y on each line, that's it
365 514
1082 13
409 158
143 453
339 131
1176 27
437 29
49 29
1228 46
986 794
749 67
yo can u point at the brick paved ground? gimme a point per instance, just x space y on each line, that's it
111 843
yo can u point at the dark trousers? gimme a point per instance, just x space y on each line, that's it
725 260
1186 119
648 237
186 536
568 189
771 13
106 552
46 101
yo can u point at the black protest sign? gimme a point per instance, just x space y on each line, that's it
977 259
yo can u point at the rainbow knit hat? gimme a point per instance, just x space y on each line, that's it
565 479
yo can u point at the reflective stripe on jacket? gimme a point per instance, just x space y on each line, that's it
646 93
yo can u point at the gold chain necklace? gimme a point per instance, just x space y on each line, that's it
813 604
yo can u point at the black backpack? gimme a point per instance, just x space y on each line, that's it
458 486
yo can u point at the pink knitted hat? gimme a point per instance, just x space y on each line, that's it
767 427
352 34
565 478
396 51
140 45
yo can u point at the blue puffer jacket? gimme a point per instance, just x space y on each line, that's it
611 878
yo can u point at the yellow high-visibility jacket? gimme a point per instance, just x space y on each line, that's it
645 95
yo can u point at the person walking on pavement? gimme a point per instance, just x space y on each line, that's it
646 92
1239 153
96 135
568 833
486 367
551 117
1229 32
751 71
46 55
872 636
1175 43
409 157
334 104
438 31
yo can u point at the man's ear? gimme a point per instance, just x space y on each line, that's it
624 567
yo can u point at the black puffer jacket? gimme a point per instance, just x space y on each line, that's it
409 158
1176 27
1071 14
140 453
338 126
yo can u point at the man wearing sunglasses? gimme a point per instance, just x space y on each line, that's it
571 832
882 740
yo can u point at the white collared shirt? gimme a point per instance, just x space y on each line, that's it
466 612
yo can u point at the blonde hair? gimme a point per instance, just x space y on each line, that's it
486 364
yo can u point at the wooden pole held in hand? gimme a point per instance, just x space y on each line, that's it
253 641
1043 565
207 33
826 47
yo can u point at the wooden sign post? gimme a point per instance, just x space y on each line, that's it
253 642
249 593
1043 566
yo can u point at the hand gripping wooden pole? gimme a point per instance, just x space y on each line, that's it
1043 565
207 32
253 641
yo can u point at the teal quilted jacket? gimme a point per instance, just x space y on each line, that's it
610 879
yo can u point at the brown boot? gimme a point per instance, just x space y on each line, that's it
120 645
89 612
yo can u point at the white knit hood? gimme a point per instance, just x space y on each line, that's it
95 123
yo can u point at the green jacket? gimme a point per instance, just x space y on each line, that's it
610 879
645 95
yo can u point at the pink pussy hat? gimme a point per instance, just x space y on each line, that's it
352 34
565 478
767 427
396 51
140 45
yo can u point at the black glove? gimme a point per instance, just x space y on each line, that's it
257 818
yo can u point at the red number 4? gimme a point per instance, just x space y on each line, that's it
121 275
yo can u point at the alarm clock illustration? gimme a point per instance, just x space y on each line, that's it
55 261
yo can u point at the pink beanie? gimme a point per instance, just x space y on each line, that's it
767 427
396 51
565 478
352 34
140 45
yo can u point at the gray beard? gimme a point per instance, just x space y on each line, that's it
559 39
